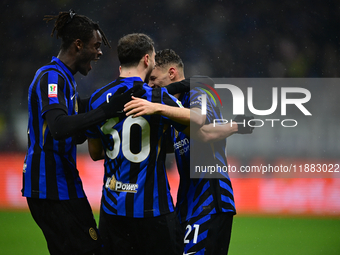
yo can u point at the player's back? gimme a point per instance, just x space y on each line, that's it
135 181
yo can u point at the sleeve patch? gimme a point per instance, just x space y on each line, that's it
179 103
52 90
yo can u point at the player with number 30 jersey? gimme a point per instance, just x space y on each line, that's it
135 181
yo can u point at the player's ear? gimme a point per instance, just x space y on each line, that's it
79 44
172 73
146 59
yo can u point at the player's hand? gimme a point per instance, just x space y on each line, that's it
179 87
116 104
242 122
138 107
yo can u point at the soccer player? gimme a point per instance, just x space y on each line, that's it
137 214
205 206
51 181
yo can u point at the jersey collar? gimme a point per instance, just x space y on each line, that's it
134 78
62 65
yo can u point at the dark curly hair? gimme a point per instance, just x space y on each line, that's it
71 26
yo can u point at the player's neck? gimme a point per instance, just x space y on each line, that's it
68 60
178 78
132 72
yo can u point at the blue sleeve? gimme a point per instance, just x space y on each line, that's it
213 112
51 92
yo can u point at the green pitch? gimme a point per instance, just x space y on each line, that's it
251 235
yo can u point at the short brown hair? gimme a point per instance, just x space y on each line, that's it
132 47
168 56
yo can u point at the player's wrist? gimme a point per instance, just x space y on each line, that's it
160 109
234 127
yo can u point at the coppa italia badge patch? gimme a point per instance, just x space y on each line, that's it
52 90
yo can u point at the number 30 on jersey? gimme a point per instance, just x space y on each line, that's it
108 129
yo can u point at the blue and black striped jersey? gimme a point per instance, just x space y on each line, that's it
135 180
201 196
50 165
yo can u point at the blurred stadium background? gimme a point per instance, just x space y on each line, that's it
237 39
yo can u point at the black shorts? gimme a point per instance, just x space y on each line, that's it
208 234
68 225
129 236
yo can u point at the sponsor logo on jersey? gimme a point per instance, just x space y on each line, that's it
52 90
182 146
181 143
114 185
197 101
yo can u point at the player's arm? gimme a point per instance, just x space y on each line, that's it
138 107
95 148
215 132
62 125
197 122
82 104
219 131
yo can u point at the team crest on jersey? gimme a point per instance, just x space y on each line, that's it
76 106
114 185
93 234
197 101
52 90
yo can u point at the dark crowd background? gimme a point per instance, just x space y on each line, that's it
297 38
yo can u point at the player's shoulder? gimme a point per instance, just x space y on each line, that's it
195 95
201 84
110 88
57 67
51 74
201 80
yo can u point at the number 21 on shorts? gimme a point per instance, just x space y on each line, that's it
189 229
